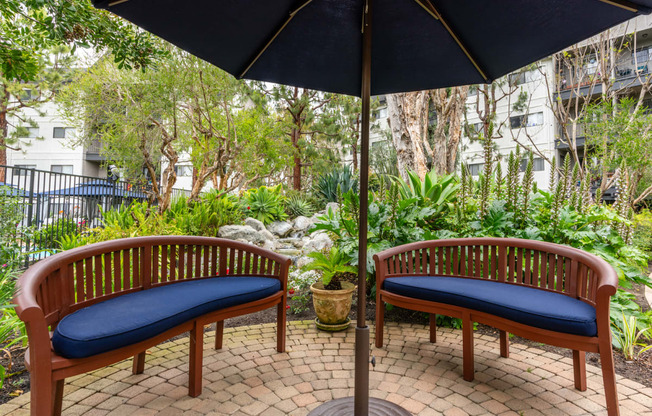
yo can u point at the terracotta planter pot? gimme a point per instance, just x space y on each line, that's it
332 306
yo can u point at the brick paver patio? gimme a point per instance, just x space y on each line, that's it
248 377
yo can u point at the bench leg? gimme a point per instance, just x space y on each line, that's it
219 334
608 375
579 369
433 327
58 397
139 363
281 316
467 346
195 360
380 321
504 344
47 395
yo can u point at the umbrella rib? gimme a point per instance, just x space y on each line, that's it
623 4
262 51
430 8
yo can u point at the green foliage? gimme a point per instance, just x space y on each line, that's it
339 180
49 235
331 265
206 216
265 204
298 205
437 193
643 230
299 290
627 335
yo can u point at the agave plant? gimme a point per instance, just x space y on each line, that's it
265 204
297 205
333 266
328 184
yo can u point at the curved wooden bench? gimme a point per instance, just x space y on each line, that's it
506 283
68 289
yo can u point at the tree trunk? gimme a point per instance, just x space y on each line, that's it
408 121
296 173
449 105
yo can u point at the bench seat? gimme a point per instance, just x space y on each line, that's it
134 317
534 307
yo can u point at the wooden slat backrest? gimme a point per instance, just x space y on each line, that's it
537 264
80 277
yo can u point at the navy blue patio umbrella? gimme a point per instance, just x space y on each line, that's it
328 45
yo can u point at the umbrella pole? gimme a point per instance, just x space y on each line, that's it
361 398
360 403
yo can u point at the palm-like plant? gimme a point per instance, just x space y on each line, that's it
432 191
332 266
626 336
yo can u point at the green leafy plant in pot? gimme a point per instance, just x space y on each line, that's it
332 296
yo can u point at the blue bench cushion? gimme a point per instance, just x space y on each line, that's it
137 316
534 307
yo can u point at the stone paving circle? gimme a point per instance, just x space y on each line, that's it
248 377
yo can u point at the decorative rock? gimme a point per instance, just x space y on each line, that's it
269 245
255 224
302 223
280 228
240 232
266 234
319 242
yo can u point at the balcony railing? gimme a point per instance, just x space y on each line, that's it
92 152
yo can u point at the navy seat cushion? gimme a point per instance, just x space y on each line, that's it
530 306
134 317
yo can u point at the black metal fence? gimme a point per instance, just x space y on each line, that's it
55 204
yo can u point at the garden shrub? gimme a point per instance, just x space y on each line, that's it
49 235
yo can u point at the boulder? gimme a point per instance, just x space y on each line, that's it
266 234
280 228
302 223
240 232
318 242
269 245
255 224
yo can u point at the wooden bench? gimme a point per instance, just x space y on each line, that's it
96 305
542 291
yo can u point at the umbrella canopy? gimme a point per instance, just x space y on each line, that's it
416 44
96 189
329 45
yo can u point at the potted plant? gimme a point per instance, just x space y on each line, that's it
332 296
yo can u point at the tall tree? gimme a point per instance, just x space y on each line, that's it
183 108
307 121
31 31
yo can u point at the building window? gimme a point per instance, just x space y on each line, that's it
62 169
641 56
183 170
61 132
27 132
537 164
23 170
475 168
524 77
380 113
526 120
